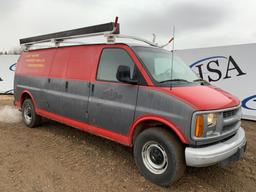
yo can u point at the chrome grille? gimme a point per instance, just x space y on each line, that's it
231 119
230 113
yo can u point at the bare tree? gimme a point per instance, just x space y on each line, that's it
14 51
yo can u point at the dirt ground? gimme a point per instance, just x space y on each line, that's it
55 157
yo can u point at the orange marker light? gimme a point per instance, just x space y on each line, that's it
199 126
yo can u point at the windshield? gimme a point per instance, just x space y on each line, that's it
161 67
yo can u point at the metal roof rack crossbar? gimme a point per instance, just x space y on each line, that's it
109 36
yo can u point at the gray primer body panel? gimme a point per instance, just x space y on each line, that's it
75 100
54 92
35 85
54 97
153 102
112 107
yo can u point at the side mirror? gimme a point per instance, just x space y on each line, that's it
124 75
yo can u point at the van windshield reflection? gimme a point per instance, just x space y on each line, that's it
163 68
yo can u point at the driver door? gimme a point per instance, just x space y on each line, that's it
112 103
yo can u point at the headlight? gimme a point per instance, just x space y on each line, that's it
203 120
211 119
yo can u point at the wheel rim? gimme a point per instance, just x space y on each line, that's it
28 114
154 157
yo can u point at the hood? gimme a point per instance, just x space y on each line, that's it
204 97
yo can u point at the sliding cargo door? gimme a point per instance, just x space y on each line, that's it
55 85
75 99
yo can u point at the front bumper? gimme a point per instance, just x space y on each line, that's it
205 156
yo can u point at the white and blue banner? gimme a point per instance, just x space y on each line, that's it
7 69
232 68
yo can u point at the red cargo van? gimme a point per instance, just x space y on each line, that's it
140 96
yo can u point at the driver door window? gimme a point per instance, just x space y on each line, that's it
111 59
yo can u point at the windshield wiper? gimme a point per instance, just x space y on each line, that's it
173 80
198 80
201 81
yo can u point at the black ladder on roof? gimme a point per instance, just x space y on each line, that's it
96 30
110 30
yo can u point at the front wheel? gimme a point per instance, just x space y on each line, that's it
159 156
29 116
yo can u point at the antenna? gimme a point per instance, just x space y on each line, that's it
154 38
172 39
164 45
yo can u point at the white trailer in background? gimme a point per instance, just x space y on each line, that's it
7 68
232 68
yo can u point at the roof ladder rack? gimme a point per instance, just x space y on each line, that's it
109 30
57 38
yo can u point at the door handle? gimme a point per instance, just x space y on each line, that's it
66 85
92 90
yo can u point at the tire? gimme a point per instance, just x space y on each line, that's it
29 116
159 156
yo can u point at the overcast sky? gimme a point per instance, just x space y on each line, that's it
198 23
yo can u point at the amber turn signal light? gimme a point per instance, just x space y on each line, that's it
199 126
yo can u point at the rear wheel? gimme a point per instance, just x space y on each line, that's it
159 156
29 116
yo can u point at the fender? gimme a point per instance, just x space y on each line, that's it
160 119
22 99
